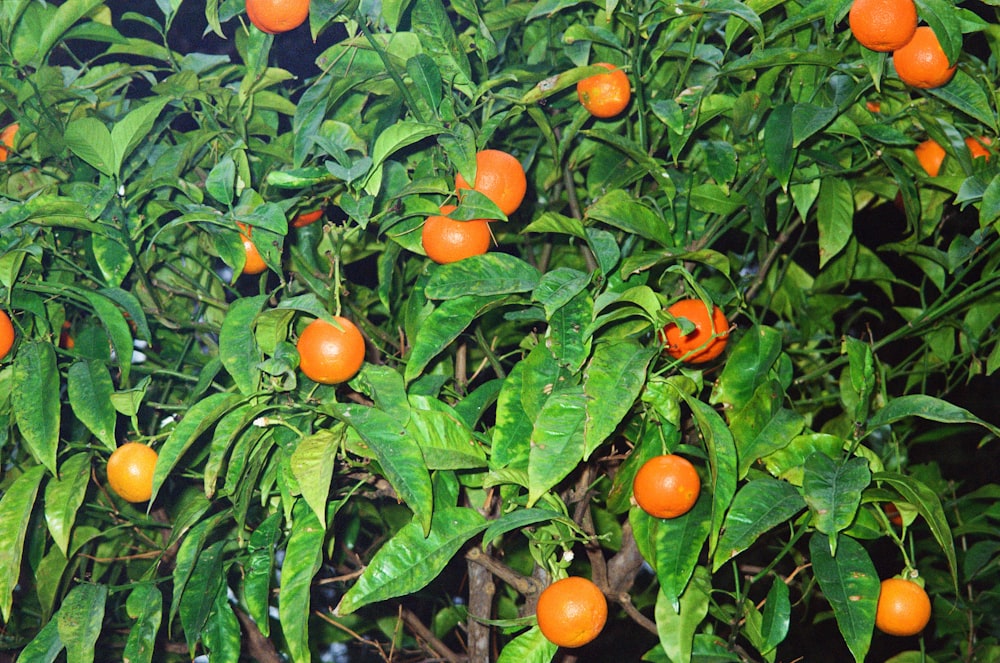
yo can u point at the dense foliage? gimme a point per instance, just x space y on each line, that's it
488 444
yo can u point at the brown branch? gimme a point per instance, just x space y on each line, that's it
523 584
765 266
624 599
583 515
424 636
258 645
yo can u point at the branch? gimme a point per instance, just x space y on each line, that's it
259 647
523 584
424 634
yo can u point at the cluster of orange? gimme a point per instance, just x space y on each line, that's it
891 26
931 155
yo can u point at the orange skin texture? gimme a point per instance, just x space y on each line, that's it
883 25
329 355
305 218
605 95
255 263
571 612
903 607
978 146
130 471
921 62
7 139
6 334
446 240
499 177
277 16
666 486
697 347
931 155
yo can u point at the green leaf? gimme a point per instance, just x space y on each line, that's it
557 287
312 464
835 217
35 397
442 326
512 432
59 23
221 180
393 139
762 426
519 519
426 79
133 128
221 635
777 616
409 560
258 571
612 382
64 496
89 387
851 585
807 119
747 367
779 143
206 580
16 505
91 141
679 545
862 374
112 257
397 453
758 506
79 620
45 647
119 332
564 339
721 461
677 628
833 492
618 209
926 407
445 440
436 32
484 275
557 443
529 647
145 606
237 345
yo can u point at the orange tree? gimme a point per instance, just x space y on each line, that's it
487 447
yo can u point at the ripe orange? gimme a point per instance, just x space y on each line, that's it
893 514
6 334
571 612
883 25
255 263
605 95
130 471
931 155
329 355
305 218
275 16
700 342
66 341
922 62
666 486
978 146
874 106
7 139
903 607
499 177
447 240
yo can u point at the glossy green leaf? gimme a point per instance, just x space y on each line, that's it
778 143
925 407
221 634
777 615
762 426
557 441
619 210
45 647
679 545
835 217
833 492
564 339
112 258
677 628
851 585
437 36
484 275
230 426
757 507
258 571
89 387
145 606
393 139
16 505
312 464
206 582
79 620
410 560
35 397
512 433
612 382
721 462
787 463
442 326
186 559
445 440
747 367
519 519
113 319
64 496
529 647
862 374
133 129
90 140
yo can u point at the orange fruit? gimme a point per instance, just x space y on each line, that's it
666 486
705 342
275 16
883 25
931 155
903 607
305 218
605 95
447 240
893 514
330 355
499 177
922 62
130 471
7 139
6 334
571 612
874 106
978 146
255 263
66 341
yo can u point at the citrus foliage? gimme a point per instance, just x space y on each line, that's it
490 440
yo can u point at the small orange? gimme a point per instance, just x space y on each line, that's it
605 95
276 16
883 25
874 106
499 177
255 263
130 471
903 607
330 355
447 240
66 341
705 342
978 146
893 514
931 155
7 139
305 218
6 334
571 612
666 486
922 62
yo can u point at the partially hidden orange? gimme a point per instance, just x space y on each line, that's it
130 471
7 140
705 342
922 62
979 146
883 25
571 612
446 240
277 16
500 177
6 334
605 95
329 355
931 155
255 262
305 218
